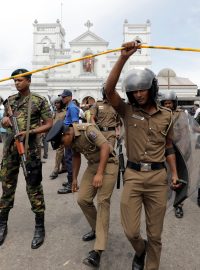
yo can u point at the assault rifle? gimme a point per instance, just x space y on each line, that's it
19 142
121 162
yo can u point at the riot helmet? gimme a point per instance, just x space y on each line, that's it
140 79
57 100
171 95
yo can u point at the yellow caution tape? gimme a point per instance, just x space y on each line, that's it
97 54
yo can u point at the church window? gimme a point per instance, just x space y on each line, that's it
45 49
88 64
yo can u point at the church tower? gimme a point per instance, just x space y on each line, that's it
48 42
142 33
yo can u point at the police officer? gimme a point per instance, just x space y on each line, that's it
197 146
24 104
148 139
106 118
170 101
59 114
72 116
98 179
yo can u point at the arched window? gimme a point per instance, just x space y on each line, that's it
88 63
46 44
140 41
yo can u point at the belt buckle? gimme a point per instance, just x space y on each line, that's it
105 129
145 167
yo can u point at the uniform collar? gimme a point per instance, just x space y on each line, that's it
139 109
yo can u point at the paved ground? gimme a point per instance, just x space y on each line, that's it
65 224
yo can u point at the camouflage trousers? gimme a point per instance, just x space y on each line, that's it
9 177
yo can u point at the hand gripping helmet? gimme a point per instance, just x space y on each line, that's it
171 95
140 79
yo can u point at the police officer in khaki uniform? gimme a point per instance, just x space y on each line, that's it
148 142
98 179
106 118
59 159
180 121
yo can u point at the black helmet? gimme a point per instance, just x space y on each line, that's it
140 79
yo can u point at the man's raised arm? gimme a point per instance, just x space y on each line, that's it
112 95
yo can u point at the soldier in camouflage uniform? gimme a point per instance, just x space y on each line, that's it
39 110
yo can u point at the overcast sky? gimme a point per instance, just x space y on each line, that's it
173 23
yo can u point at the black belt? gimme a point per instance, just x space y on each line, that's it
106 128
145 167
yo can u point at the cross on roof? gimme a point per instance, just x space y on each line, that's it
88 24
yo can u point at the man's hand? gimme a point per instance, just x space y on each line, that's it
129 48
174 184
6 122
97 180
21 135
74 186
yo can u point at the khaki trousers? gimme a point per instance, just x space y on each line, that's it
98 218
59 158
150 189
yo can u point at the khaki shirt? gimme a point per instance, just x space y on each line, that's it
59 116
88 140
145 138
105 114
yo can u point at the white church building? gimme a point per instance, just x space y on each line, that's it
85 78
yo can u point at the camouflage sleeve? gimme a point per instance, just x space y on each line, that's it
45 109
5 108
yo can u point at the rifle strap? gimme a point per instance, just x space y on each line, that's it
28 123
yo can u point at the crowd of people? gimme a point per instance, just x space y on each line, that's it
147 125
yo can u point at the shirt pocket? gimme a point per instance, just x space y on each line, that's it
158 133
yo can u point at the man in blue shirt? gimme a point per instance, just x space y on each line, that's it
72 116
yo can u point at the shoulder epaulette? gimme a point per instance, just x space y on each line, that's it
13 96
179 110
83 126
37 95
164 108
5 102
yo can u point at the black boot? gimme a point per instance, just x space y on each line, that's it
179 211
67 186
89 236
93 259
39 233
198 198
3 226
138 261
